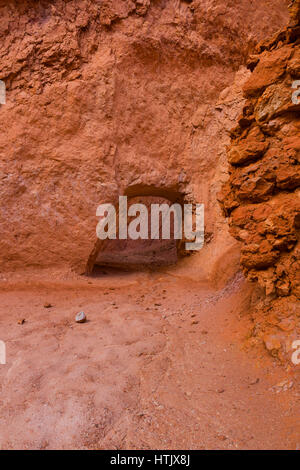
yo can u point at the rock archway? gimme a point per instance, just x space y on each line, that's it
141 254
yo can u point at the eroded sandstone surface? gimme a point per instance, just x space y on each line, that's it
141 98
105 96
261 197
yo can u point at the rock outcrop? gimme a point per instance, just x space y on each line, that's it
106 96
261 199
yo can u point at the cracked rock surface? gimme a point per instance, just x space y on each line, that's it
262 195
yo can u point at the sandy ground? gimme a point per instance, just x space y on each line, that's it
161 363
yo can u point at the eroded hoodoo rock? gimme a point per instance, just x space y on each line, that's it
262 196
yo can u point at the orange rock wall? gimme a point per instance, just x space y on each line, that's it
106 95
262 196
261 199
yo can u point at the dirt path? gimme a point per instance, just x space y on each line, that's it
160 364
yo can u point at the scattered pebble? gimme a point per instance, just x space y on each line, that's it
21 321
80 317
47 305
254 382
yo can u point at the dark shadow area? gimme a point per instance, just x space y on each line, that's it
141 254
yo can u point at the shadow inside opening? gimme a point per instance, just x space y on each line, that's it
139 254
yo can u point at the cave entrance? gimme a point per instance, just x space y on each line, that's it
140 254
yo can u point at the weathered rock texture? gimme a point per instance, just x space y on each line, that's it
103 96
262 196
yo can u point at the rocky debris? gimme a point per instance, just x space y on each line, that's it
283 386
21 321
276 324
80 317
261 199
294 8
48 305
272 343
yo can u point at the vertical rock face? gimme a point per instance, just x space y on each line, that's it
262 196
106 95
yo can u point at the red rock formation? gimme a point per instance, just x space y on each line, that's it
262 198
105 95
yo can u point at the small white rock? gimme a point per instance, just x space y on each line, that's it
80 317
